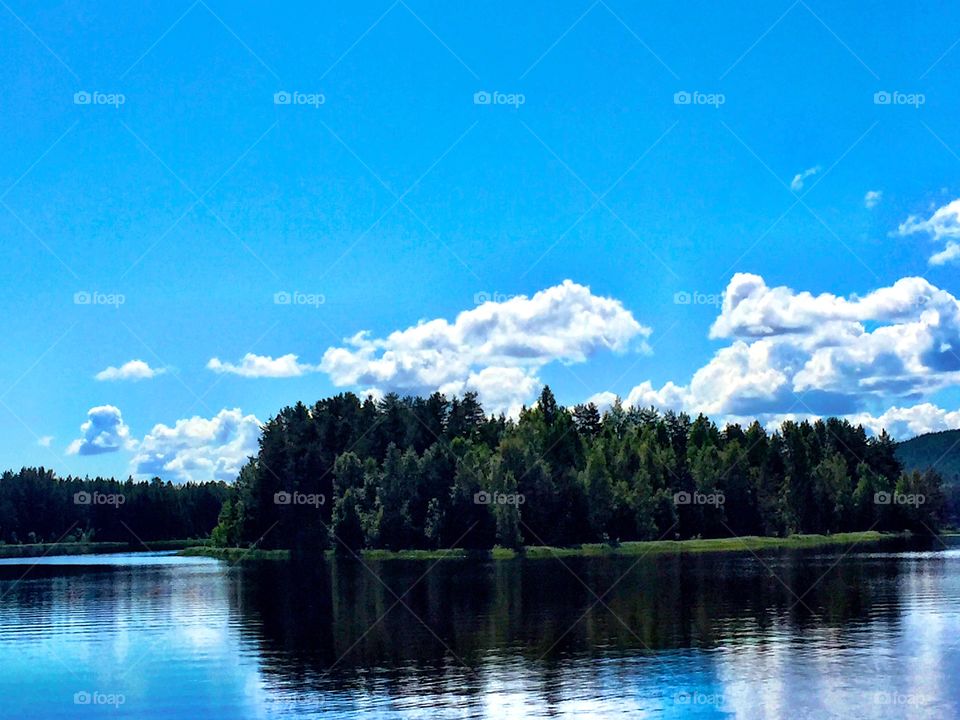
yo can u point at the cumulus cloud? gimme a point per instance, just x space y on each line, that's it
603 400
901 423
103 432
257 366
741 379
872 199
942 226
499 388
495 349
45 441
797 183
199 449
795 352
669 397
905 422
132 370
751 309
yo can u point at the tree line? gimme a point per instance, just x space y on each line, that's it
37 506
415 472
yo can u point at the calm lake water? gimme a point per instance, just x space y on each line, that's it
815 634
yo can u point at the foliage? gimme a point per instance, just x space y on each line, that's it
939 450
431 473
37 506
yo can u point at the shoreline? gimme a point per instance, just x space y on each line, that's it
540 552
33 550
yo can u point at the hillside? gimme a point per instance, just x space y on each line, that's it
941 448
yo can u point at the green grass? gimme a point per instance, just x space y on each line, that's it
172 544
238 554
536 552
234 554
734 544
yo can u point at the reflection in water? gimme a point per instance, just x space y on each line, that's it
791 635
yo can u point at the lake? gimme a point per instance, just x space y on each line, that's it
872 632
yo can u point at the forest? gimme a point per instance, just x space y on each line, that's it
37 506
433 473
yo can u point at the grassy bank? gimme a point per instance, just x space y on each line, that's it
733 544
534 552
235 554
91 548
72 548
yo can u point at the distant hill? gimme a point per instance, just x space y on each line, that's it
941 449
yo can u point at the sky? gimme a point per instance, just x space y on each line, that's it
210 210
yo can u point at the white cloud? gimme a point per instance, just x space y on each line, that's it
193 449
943 225
950 253
795 352
199 449
132 370
902 423
257 366
905 422
669 397
45 441
496 349
872 199
752 309
797 183
603 400
741 377
103 432
499 388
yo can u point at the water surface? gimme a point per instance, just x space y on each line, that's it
801 634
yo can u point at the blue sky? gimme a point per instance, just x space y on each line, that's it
183 201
